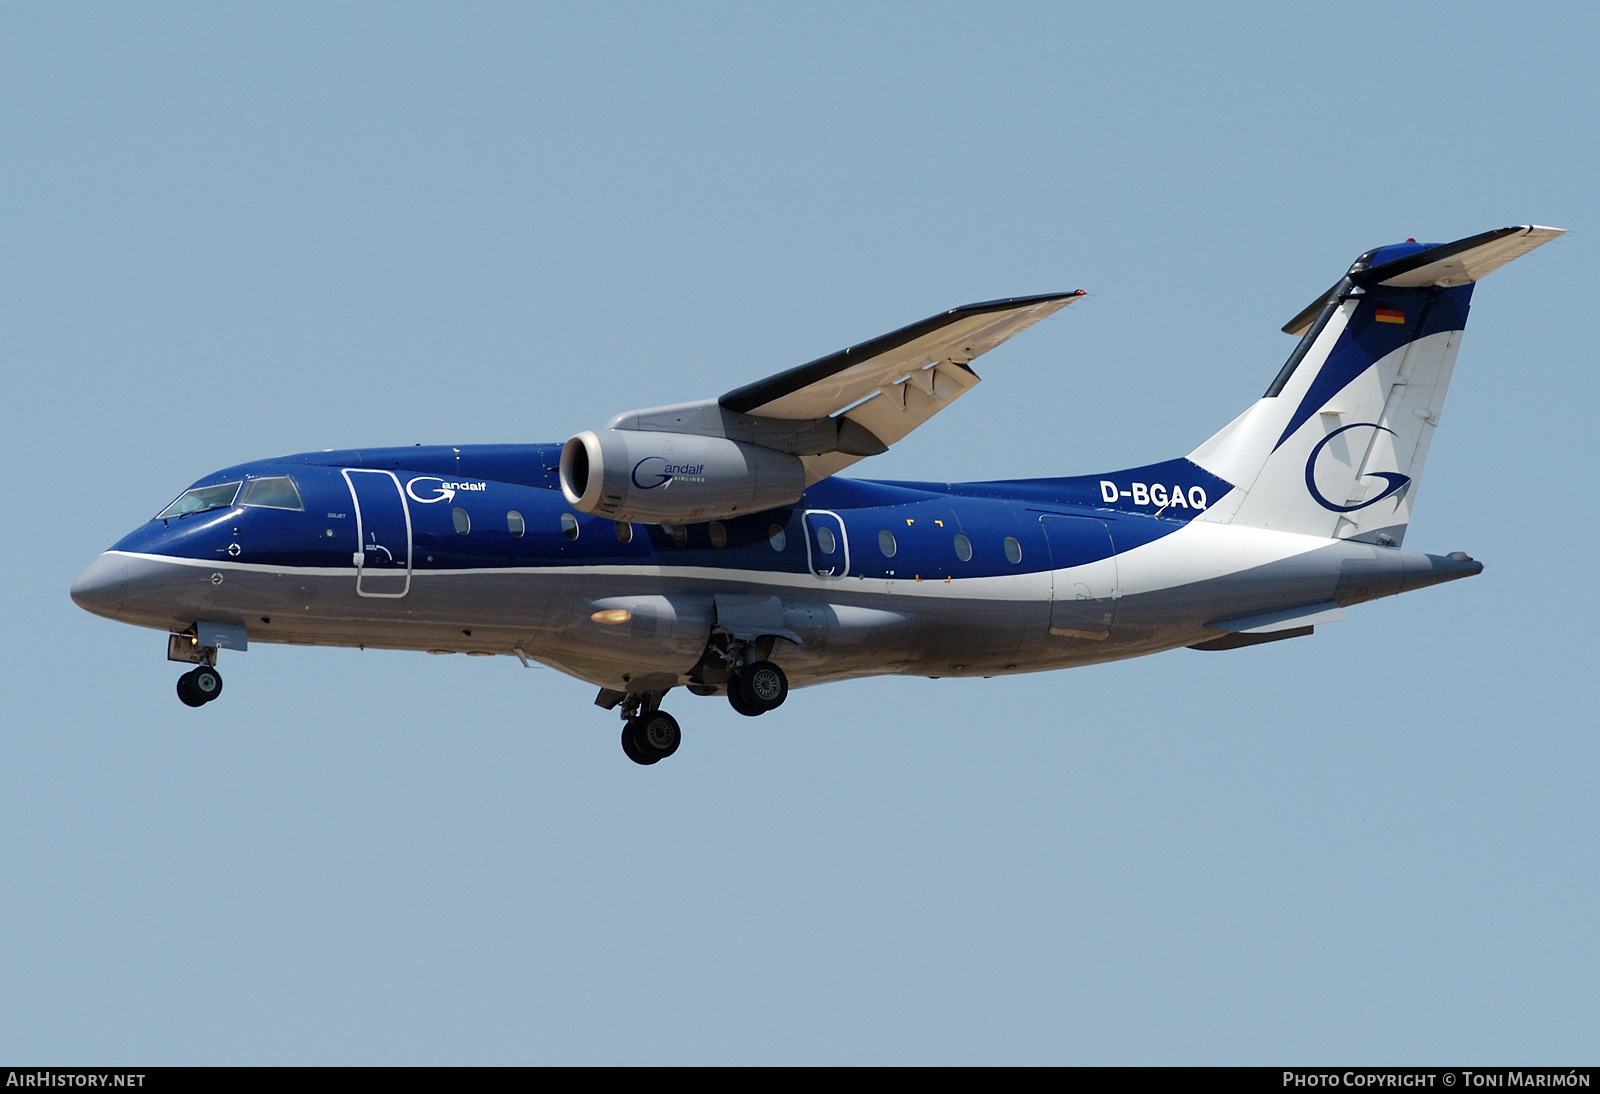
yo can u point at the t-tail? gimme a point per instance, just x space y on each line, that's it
1337 444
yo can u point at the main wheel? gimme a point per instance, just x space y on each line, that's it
736 700
656 735
763 686
205 682
630 749
186 691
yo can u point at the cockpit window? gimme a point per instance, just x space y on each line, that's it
200 499
274 493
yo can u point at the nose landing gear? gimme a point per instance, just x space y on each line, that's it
199 686
203 683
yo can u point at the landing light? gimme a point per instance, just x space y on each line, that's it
612 616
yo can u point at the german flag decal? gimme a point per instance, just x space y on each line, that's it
1390 315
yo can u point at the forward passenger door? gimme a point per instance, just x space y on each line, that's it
383 533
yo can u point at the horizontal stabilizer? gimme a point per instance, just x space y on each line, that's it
1240 641
1285 619
1444 266
1462 262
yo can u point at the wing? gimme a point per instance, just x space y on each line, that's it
894 383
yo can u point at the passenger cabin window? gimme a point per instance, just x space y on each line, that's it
1013 550
200 499
515 524
569 525
277 492
718 533
459 518
826 541
776 537
624 532
886 543
679 534
963 548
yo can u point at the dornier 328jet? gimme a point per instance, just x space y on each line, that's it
710 545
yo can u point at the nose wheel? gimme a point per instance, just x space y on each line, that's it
651 738
199 686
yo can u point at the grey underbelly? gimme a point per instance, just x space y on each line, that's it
844 631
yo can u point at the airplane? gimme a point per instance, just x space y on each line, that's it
713 546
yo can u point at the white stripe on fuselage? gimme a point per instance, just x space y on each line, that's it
1202 551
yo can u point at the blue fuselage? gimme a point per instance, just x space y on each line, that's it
488 482
476 550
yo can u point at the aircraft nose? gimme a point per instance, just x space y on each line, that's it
102 588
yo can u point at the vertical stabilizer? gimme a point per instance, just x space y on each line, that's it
1337 444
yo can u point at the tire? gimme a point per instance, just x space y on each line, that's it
631 749
736 700
206 683
186 692
657 734
763 686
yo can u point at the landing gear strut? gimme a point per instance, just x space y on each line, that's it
199 686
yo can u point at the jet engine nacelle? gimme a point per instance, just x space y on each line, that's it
643 475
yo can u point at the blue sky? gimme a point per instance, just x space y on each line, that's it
232 234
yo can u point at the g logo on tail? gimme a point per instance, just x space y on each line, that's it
1396 481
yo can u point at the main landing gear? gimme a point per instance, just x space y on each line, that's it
754 685
649 734
757 688
199 686
651 738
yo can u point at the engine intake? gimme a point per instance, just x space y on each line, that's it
655 477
